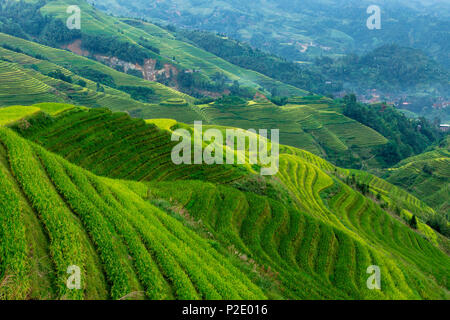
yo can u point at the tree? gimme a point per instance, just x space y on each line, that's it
100 88
413 223
440 224
428 169
235 88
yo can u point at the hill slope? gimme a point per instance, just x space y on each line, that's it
60 76
46 58
135 47
426 176
315 124
115 145
301 29
55 215
305 233
94 189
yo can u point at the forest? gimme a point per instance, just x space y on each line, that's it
406 137
389 68
24 20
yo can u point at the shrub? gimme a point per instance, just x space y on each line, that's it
413 223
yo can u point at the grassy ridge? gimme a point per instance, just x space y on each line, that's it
316 125
74 63
426 176
115 145
119 224
312 258
16 113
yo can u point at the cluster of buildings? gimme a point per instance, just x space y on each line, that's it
441 104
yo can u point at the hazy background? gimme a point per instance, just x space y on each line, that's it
304 29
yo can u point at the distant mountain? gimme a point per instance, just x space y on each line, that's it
390 69
135 47
301 29
321 46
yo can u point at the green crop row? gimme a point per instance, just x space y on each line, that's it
100 196
14 268
183 251
65 243
315 255
118 146
92 218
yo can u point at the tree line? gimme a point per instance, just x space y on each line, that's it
407 137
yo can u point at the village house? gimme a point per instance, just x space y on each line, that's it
444 127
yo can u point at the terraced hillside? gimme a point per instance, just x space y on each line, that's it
36 81
17 87
55 76
321 248
16 113
310 257
11 114
427 176
81 65
115 145
55 215
187 56
314 124
302 234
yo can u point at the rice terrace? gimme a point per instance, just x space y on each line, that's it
153 155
